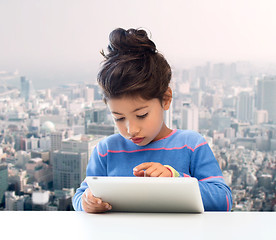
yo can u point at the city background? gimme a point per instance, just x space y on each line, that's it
223 58
47 135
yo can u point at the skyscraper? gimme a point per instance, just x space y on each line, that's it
266 97
69 163
26 88
245 107
68 169
56 139
3 180
189 117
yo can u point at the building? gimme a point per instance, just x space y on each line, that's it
220 120
26 88
94 115
260 116
89 94
39 171
44 155
69 169
47 128
168 117
81 143
13 202
69 163
189 117
63 199
245 107
18 180
266 97
40 199
100 129
31 144
3 180
56 139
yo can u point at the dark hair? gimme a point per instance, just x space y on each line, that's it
133 67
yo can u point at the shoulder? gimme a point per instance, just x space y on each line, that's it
189 137
112 142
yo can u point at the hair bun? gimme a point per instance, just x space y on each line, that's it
130 41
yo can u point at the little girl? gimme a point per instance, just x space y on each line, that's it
135 81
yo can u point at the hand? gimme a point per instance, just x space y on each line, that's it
151 169
92 204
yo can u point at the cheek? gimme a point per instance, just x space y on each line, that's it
155 121
121 128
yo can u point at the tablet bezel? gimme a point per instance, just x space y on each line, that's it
148 194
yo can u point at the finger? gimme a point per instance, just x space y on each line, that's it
90 198
156 173
102 209
107 206
88 195
94 199
93 204
166 174
150 170
98 200
95 207
143 166
87 204
104 206
139 174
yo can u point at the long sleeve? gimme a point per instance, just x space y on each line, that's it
199 161
216 195
95 167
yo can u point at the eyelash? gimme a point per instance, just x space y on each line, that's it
138 116
119 119
142 116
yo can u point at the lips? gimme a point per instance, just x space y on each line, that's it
137 140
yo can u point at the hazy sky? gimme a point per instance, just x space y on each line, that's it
63 35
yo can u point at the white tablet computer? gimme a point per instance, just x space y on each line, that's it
148 194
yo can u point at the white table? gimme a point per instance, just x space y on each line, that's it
80 225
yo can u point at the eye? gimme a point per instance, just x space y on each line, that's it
119 119
142 116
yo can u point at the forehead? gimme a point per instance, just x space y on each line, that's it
129 103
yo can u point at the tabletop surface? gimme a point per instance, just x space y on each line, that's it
112 225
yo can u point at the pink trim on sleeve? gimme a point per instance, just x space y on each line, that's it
210 178
227 203
199 145
102 155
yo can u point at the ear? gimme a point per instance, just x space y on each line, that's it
167 99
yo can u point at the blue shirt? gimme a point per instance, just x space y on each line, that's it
184 150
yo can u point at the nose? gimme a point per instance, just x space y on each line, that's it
132 128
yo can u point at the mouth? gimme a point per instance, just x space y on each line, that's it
137 140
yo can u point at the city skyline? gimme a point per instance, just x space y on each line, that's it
227 103
223 61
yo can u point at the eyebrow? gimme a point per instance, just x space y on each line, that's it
137 109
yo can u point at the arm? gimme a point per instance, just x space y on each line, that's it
95 167
216 195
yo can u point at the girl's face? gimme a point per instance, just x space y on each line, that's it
139 120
